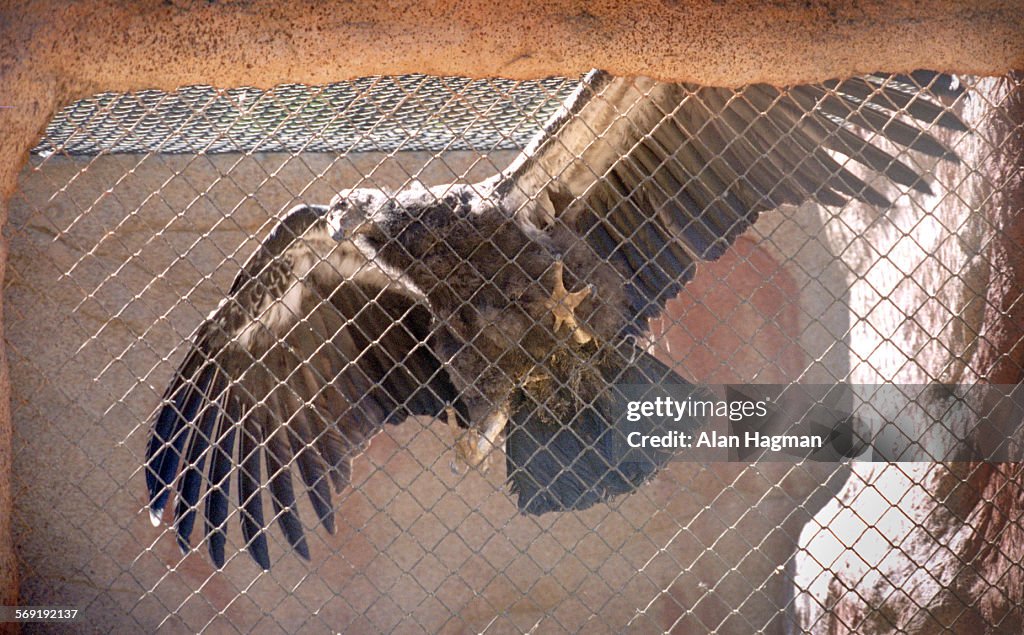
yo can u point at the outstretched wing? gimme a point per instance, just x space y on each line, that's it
312 352
658 176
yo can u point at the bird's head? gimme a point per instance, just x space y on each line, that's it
377 217
357 212
402 228
380 225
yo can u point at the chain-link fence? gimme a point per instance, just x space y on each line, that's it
137 212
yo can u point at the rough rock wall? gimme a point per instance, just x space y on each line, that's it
924 547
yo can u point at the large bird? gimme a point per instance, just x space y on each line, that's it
511 309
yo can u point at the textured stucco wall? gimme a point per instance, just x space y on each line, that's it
415 544
52 52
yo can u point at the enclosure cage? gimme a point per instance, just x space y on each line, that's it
137 210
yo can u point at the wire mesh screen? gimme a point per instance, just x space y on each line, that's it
137 212
371 114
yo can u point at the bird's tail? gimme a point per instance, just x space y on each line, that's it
586 453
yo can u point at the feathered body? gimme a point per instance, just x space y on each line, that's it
456 244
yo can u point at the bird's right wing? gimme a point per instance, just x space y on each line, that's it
658 176
312 352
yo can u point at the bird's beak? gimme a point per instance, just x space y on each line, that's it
335 223
345 222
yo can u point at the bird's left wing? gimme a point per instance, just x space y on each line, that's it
659 176
312 352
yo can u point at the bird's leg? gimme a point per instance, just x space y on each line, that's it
473 447
563 304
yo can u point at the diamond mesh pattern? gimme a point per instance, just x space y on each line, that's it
383 114
137 210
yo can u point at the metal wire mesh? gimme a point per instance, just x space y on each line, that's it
371 114
137 211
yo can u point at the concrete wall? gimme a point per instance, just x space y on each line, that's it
114 260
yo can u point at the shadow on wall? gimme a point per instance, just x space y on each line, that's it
739 321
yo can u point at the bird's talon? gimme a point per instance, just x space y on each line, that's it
456 465
473 447
469 451
563 305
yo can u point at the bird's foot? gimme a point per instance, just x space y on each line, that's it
563 304
473 448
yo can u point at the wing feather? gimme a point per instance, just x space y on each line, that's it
221 464
182 401
659 176
314 350
249 483
279 475
192 473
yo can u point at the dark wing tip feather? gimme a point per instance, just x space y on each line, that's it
311 468
282 492
172 427
191 478
249 495
216 511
